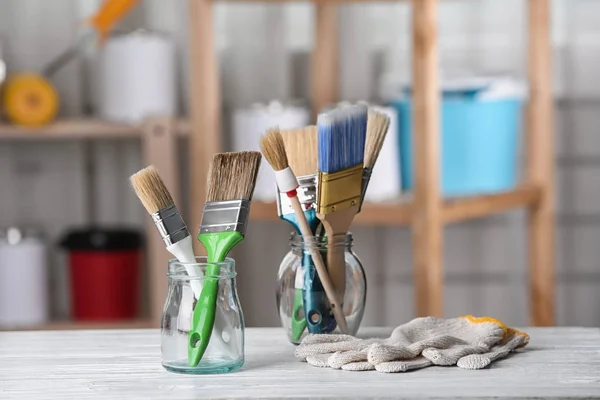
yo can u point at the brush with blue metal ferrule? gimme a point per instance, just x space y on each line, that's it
310 300
341 136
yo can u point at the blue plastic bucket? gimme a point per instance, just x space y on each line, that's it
479 146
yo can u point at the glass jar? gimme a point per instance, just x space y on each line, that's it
299 288
225 351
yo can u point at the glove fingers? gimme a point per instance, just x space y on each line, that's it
303 351
379 353
452 355
479 361
403 366
318 360
359 366
315 338
339 359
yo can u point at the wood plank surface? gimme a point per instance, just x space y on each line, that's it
205 107
80 128
140 323
324 58
125 364
540 166
427 223
481 206
372 214
159 148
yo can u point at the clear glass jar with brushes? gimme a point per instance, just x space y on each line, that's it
301 301
225 351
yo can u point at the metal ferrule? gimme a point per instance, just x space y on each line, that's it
307 194
340 190
170 225
225 216
365 183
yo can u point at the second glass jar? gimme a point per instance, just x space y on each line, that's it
301 300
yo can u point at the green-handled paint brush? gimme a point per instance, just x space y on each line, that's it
231 181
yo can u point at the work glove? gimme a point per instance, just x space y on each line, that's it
417 344
513 341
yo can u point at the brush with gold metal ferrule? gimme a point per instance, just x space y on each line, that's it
342 135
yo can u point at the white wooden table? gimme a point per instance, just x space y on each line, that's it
559 363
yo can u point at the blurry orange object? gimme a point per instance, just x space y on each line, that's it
110 12
29 99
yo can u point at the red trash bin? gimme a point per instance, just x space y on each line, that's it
104 269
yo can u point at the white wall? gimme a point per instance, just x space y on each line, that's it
485 259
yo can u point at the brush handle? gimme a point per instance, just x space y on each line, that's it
336 226
217 247
320 266
336 266
184 252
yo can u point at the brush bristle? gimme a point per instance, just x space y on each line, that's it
342 134
377 128
301 146
232 176
151 190
273 149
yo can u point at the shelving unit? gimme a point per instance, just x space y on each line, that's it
426 212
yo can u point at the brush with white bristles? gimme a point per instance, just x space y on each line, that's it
378 125
273 149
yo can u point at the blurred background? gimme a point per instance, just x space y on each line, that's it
51 186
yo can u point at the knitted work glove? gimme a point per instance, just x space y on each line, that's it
401 352
514 341
468 357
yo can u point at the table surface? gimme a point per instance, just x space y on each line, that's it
125 364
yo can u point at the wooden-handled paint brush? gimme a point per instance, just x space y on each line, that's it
301 149
342 135
231 182
273 149
378 125
157 200
310 300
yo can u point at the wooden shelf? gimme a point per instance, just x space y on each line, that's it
76 325
400 213
80 129
481 206
383 214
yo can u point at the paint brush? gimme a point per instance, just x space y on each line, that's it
378 125
310 299
342 134
301 149
273 149
157 200
231 182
